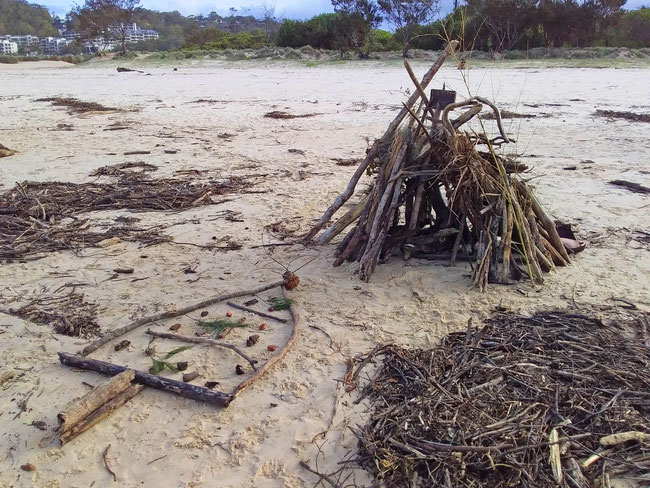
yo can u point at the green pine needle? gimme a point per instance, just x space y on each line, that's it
281 303
176 351
217 326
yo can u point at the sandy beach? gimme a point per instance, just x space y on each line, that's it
210 117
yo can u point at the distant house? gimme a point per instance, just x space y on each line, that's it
54 45
8 47
133 34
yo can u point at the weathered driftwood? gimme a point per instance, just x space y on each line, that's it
101 413
203 340
295 322
159 383
386 138
173 313
79 409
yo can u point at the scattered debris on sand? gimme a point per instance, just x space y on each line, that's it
507 114
435 196
46 200
635 187
119 169
630 116
69 314
522 400
278 114
347 161
36 218
76 106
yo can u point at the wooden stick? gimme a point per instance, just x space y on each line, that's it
274 359
256 312
93 346
547 224
203 340
158 382
342 223
91 401
374 151
101 413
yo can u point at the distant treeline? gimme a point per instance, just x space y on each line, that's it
491 25
488 25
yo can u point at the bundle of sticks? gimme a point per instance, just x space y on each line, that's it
436 196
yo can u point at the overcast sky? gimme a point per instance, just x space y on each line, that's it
293 9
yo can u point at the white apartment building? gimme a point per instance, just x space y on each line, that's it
54 45
8 47
133 34
21 40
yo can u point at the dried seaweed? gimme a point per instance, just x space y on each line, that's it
119 169
69 314
629 116
278 114
507 114
43 217
522 401
76 106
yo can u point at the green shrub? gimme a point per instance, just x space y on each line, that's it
8 60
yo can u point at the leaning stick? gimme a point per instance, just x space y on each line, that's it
93 346
342 223
295 319
101 413
418 86
158 382
91 401
203 340
374 151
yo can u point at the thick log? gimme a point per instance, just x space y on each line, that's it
91 401
158 382
93 346
374 151
101 413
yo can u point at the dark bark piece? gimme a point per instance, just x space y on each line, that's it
635 187
159 383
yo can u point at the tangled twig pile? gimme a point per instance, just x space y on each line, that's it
68 314
556 399
40 217
435 196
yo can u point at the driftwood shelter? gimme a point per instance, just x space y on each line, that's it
443 193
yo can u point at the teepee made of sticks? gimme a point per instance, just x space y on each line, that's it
435 195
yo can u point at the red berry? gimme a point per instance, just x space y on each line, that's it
271 309
262 326
229 314
271 348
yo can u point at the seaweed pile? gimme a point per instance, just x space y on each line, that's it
39 217
553 399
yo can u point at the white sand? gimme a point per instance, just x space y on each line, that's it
250 443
